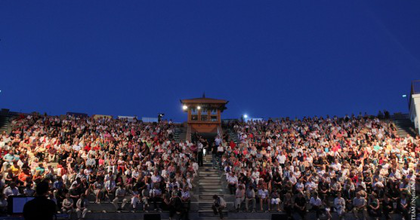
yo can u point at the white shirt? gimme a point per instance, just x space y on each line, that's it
232 179
263 193
282 159
9 191
339 203
315 201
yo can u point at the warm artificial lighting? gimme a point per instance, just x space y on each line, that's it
198 107
184 107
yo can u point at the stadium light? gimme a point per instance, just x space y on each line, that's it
245 116
184 107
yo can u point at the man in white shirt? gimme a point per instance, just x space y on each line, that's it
11 190
120 195
217 141
77 147
232 180
316 204
359 204
340 205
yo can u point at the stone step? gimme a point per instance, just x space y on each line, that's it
204 206
210 186
211 178
207 205
207 169
209 175
210 171
211 190
220 192
211 183
205 165
209 213
208 197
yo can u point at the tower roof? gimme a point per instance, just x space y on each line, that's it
204 100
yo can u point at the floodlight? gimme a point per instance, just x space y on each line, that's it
245 116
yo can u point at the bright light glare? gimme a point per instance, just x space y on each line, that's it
184 107
404 96
198 107
245 116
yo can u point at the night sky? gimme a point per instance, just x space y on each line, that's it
268 58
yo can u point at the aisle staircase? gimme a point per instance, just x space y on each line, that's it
405 126
5 124
211 182
233 135
180 134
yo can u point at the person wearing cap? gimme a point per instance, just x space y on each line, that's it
40 207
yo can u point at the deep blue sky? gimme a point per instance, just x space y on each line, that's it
268 58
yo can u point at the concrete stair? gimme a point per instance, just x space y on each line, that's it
5 124
405 126
180 134
211 182
233 135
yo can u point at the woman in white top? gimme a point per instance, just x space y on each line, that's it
263 195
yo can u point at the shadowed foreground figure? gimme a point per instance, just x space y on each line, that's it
218 205
40 207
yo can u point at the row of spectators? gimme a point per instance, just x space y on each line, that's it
88 160
353 164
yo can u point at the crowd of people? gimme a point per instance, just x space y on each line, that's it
355 164
95 160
